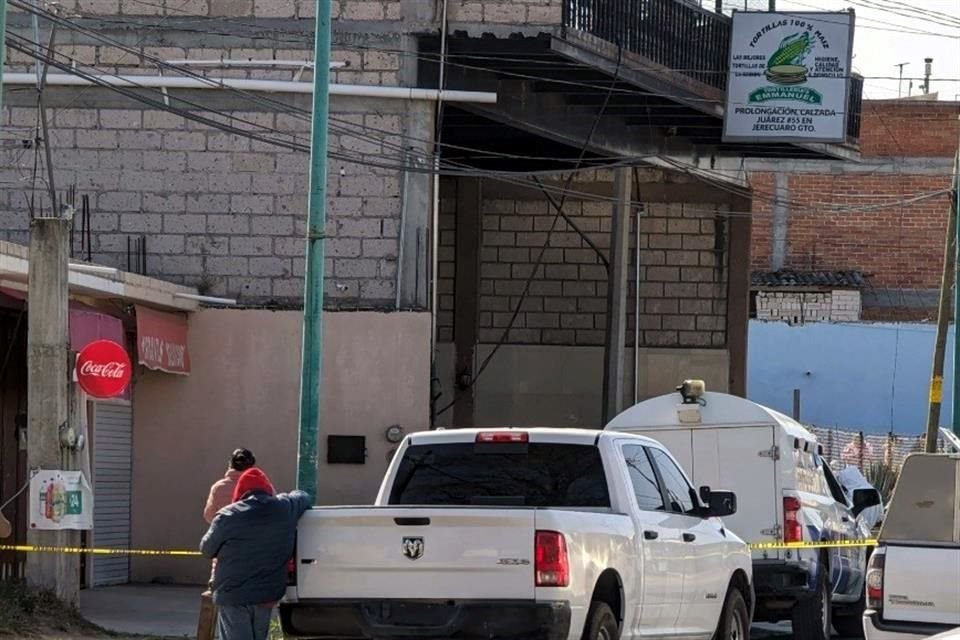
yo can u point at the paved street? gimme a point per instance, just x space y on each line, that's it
144 610
171 612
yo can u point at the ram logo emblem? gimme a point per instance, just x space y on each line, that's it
412 548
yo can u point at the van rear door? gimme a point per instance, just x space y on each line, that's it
742 459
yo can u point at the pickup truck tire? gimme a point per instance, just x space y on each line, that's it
811 617
601 623
735 619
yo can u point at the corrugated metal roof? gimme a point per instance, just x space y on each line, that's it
818 279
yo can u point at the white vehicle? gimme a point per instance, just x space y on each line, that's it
787 493
913 582
553 534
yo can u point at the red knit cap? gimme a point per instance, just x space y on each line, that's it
252 480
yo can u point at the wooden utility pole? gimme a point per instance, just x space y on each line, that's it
48 380
943 320
616 338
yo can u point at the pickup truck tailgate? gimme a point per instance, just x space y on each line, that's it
922 584
423 553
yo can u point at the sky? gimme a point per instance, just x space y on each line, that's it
880 42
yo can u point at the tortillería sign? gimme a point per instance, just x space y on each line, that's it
789 77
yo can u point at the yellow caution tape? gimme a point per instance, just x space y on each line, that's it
29 548
827 544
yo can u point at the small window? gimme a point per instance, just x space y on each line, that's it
679 492
645 485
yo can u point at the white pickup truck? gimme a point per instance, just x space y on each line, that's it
553 534
913 579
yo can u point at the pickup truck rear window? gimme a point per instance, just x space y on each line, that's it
536 475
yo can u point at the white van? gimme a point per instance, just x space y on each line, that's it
786 492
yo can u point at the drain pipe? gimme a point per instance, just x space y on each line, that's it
276 86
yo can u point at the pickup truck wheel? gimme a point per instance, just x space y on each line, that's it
601 623
735 619
811 617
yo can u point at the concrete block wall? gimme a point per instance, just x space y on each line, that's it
682 272
220 211
805 307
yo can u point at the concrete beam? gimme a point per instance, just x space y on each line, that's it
418 203
616 338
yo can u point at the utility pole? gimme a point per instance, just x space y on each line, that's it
311 371
943 319
955 197
48 380
900 82
772 5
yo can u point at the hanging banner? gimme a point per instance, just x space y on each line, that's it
103 369
60 500
789 77
162 341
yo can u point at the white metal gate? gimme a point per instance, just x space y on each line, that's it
112 471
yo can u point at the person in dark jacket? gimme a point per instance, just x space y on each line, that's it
252 541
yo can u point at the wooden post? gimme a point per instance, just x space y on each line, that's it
616 338
48 393
467 291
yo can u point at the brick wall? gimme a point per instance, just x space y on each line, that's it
909 128
897 246
841 217
683 274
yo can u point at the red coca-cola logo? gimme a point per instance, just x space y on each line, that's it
104 369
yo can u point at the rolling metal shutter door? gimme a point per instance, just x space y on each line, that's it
112 471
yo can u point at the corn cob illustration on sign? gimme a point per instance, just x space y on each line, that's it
789 77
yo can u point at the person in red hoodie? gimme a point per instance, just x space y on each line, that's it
252 541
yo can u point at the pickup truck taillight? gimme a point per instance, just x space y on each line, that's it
875 581
551 564
792 529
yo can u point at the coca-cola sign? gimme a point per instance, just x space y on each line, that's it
104 369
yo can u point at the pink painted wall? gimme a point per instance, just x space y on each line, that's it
243 392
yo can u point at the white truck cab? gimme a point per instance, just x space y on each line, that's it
786 493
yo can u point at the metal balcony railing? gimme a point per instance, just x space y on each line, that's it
675 34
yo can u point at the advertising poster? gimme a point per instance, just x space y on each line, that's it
789 77
60 500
